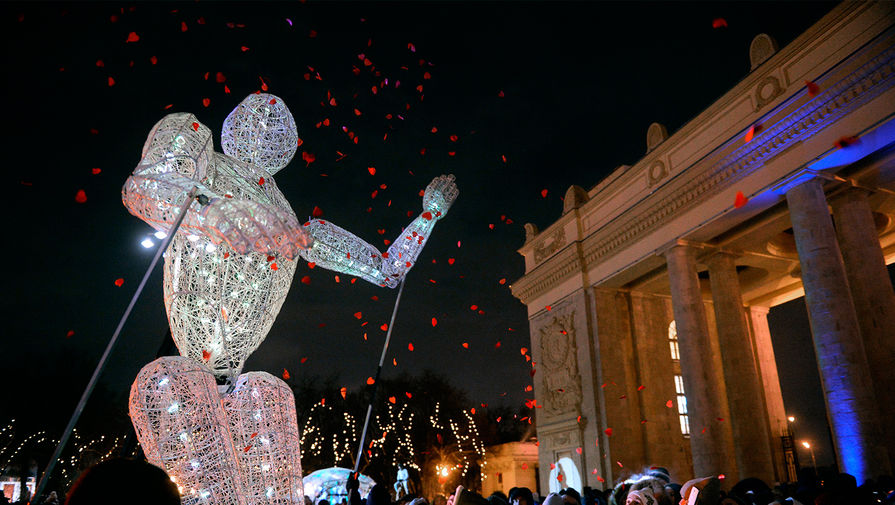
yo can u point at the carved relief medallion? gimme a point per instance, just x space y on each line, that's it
657 172
768 89
562 383
550 244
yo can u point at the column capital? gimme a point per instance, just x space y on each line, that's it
757 309
720 257
674 244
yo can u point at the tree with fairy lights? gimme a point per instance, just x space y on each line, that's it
422 423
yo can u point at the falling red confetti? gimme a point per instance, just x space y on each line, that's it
206 102
844 142
813 89
434 322
372 170
195 126
719 23
370 380
343 392
502 281
358 315
261 181
273 266
308 157
410 347
111 81
70 334
544 193
740 200
641 388
549 308
500 93
669 404
183 26
219 77
306 279
80 196
247 448
524 466
286 374
392 399
244 48
465 345
100 64
559 477
132 37
753 130
303 360
578 450
608 432
119 282
384 327
312 34
408 394
317 212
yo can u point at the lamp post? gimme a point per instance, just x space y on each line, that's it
806 445
790 455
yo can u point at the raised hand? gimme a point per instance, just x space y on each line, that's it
440 195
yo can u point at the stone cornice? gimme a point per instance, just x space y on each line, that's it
562 266
793 119
859 87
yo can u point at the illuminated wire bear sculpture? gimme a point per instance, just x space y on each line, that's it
227 272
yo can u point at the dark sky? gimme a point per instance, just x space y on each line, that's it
581 82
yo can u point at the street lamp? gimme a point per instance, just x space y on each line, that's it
806 445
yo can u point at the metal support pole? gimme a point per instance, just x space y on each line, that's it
388 336
105 357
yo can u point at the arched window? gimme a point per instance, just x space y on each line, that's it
678 380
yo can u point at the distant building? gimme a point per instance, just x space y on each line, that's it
510 465
648 297
12 488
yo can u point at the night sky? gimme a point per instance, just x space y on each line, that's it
539 96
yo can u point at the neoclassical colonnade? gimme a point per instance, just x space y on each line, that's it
663 253
844 274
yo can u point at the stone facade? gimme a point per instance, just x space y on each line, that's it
662 241
510 465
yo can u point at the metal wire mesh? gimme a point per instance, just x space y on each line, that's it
261 131
264 430
337 249
182 428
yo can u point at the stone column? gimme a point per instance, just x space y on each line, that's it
748 416
711 440
848 389
773 397
871 291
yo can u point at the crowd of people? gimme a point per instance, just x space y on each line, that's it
133 482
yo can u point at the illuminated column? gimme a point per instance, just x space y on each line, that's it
871 291
773 398
851 405
747 409
711 440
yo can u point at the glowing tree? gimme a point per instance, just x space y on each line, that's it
227 272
